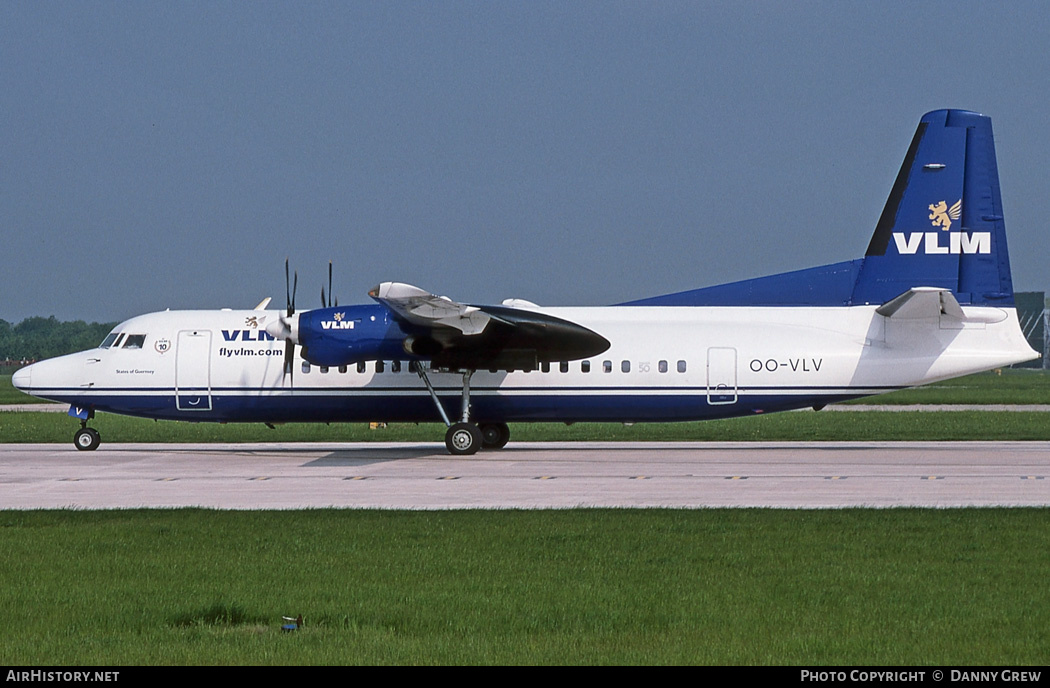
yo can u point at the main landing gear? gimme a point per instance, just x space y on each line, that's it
465 438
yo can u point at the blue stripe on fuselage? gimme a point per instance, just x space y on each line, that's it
414 406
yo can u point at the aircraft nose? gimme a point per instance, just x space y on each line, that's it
23 378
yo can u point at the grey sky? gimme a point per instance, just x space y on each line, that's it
172 154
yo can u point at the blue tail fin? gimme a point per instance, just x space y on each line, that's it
942 227
943 223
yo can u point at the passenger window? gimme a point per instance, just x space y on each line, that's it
662 366
413 367
362 366
306 366
380 367
585 366
342 369
545 366
625 366
395 366
607 366
563 366
324 369
681 366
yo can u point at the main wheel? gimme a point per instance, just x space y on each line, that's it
494 435
87 439
463 439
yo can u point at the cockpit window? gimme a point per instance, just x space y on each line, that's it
134 341
108 341
120 340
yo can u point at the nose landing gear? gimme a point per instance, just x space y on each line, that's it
86 439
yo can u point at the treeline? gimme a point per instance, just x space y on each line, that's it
38 338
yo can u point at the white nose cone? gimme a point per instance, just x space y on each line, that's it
22 379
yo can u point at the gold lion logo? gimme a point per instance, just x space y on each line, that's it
942 216
339 317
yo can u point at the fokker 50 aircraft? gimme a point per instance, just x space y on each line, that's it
931 299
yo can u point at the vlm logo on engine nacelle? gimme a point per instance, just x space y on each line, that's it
338 322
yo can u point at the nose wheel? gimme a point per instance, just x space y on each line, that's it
87 439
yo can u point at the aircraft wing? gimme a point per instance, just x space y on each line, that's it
420 307
459 335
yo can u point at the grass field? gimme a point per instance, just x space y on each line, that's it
901 587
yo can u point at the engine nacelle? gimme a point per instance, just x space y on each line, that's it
349 334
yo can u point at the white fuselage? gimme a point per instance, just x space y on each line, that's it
664 364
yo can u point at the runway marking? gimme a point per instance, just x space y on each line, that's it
356 477
261 477
835 477
544 477
639 477
166 480
1032 477
449 477
934 477
736 477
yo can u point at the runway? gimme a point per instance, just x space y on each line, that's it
528 475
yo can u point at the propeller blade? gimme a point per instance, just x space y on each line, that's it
329 284
323 305
287 294
289 356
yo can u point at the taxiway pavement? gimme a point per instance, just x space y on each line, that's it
528 475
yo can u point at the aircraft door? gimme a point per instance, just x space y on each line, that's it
193 371
721 375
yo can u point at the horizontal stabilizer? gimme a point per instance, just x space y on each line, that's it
933 302
922 302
